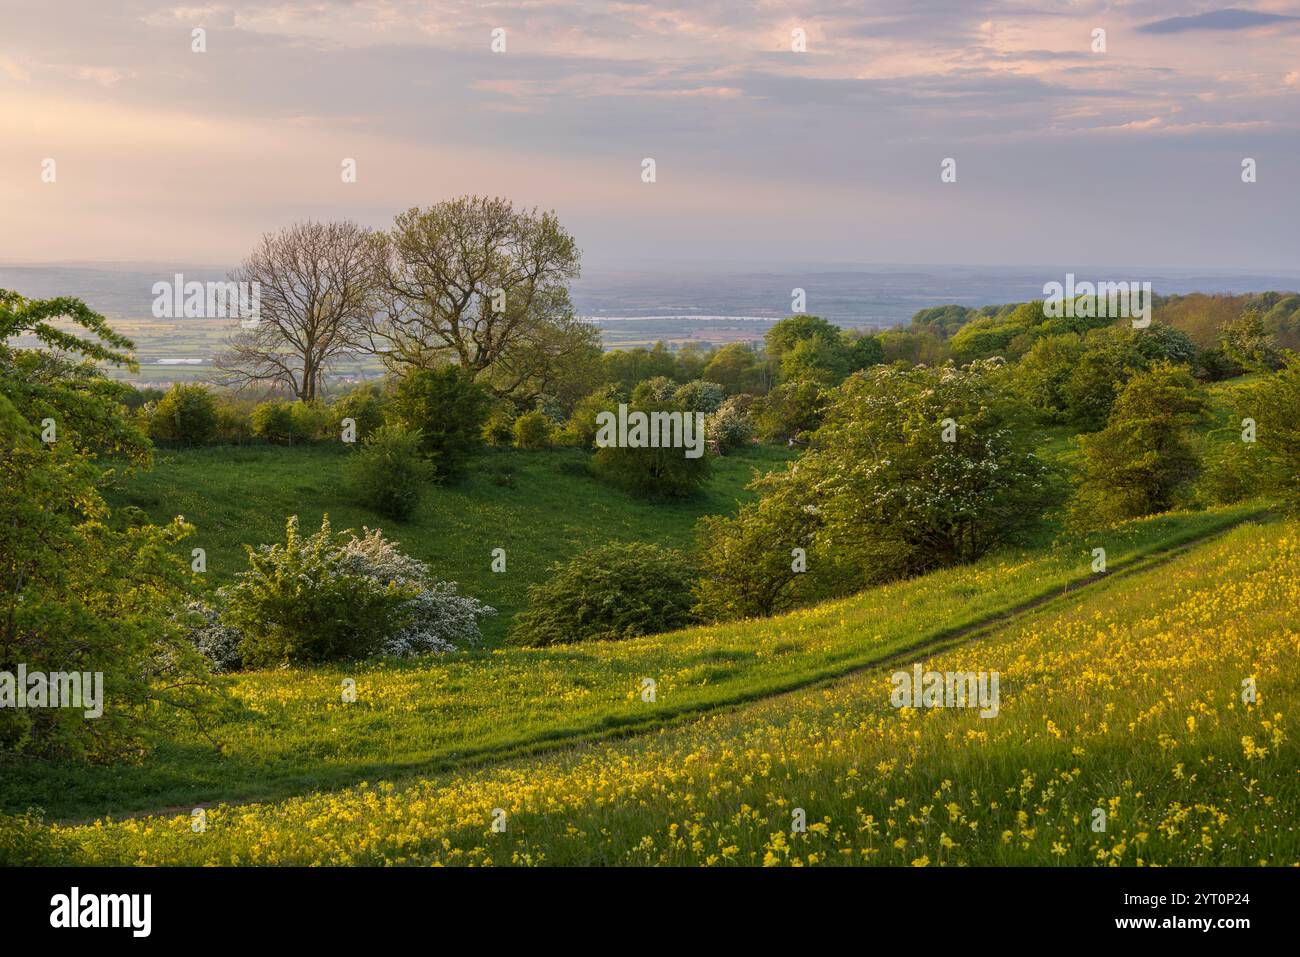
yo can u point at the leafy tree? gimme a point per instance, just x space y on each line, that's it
915 347
912 469
1043 376
919 468
448 408
60 380
790 411
748 566
699 396
664 472
1159 342
942 320
1142 458
363 404
658 388
864 350
818 360
499 429
234 421
737 369
1248 343
582 427
479 284
731 426
273 421
607 593
626 368
82 589
1274 404
788 333
1201 317
692 358
78 593
138 398
311 420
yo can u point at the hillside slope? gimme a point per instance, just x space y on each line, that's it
1127 700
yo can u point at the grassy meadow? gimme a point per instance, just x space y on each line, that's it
288 730
540 506
1125 696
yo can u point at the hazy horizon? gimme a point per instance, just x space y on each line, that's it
1065 153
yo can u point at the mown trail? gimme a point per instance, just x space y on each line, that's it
679 704
1126 699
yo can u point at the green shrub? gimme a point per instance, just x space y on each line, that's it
611 592
665 472
388 472
234 422
273 421
747 562
186 415
532 430
449 409
790 411
1140 462
499 429
137 398
88 591
660 388
303 601
1234 471
27 840
310 421
364 405
731 426
581 428
1274 403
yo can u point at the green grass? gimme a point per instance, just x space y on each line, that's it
541 507
294 734
1124 697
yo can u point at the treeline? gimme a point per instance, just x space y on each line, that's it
1224 334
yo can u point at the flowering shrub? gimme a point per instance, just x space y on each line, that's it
439 620
217 642
731 426
700 396
302 601
327 597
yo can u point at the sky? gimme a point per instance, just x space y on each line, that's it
1064 153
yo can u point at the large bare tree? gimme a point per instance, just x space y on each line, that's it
316 298
476 282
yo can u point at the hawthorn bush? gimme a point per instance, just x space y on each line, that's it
606 593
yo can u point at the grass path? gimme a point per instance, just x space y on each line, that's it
435 715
